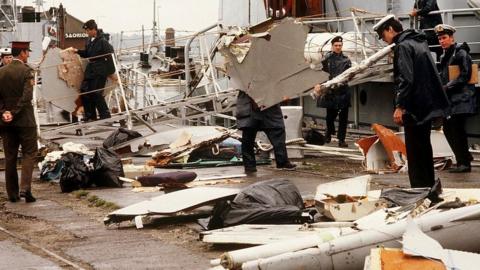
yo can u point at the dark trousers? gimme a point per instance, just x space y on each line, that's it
94 101
419 155
277 139
454 129
342 122
13 137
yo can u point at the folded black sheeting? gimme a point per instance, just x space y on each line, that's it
404 197
119 136
267 202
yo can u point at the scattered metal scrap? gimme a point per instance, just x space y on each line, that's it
349 252
420 252
183 146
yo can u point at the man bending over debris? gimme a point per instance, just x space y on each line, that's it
419 96
250 119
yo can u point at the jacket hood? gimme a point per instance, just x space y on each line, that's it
410 34
463 46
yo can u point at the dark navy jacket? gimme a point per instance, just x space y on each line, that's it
97 67
423 8
418 86
339 98
459 92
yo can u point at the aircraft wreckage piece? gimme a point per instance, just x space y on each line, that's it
420 252
60 78
274 68
172 203
195 135
350 73
392 144
259 234
450 228
177 150
376 158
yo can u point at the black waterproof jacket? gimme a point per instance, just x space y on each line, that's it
417 82
459 92
339 98
423 8
250 116
97 67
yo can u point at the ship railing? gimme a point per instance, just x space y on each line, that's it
363 23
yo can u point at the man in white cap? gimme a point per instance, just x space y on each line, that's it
6 56
419 97
460 92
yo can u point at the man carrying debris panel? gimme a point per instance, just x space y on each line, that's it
421 10
18 126
97 49
337 101
419 96
6 55
460 92
250 120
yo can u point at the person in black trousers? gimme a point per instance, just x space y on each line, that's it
99 67
460 92
337 101
250 120
421 10
419 97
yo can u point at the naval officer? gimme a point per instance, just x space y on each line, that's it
460 92
17 125
419 97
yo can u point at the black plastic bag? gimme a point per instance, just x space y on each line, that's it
314 137
119 136
273 201
75 174
107 167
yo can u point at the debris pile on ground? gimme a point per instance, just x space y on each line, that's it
326 245
76 167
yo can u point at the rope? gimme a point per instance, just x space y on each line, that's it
69 62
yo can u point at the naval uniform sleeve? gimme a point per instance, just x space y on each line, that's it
427 7
405 76
464 62
325 59
27 96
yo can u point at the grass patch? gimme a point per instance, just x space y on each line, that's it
80 193
92 198
111 206
95 201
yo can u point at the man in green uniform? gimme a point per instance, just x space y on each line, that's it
17 125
